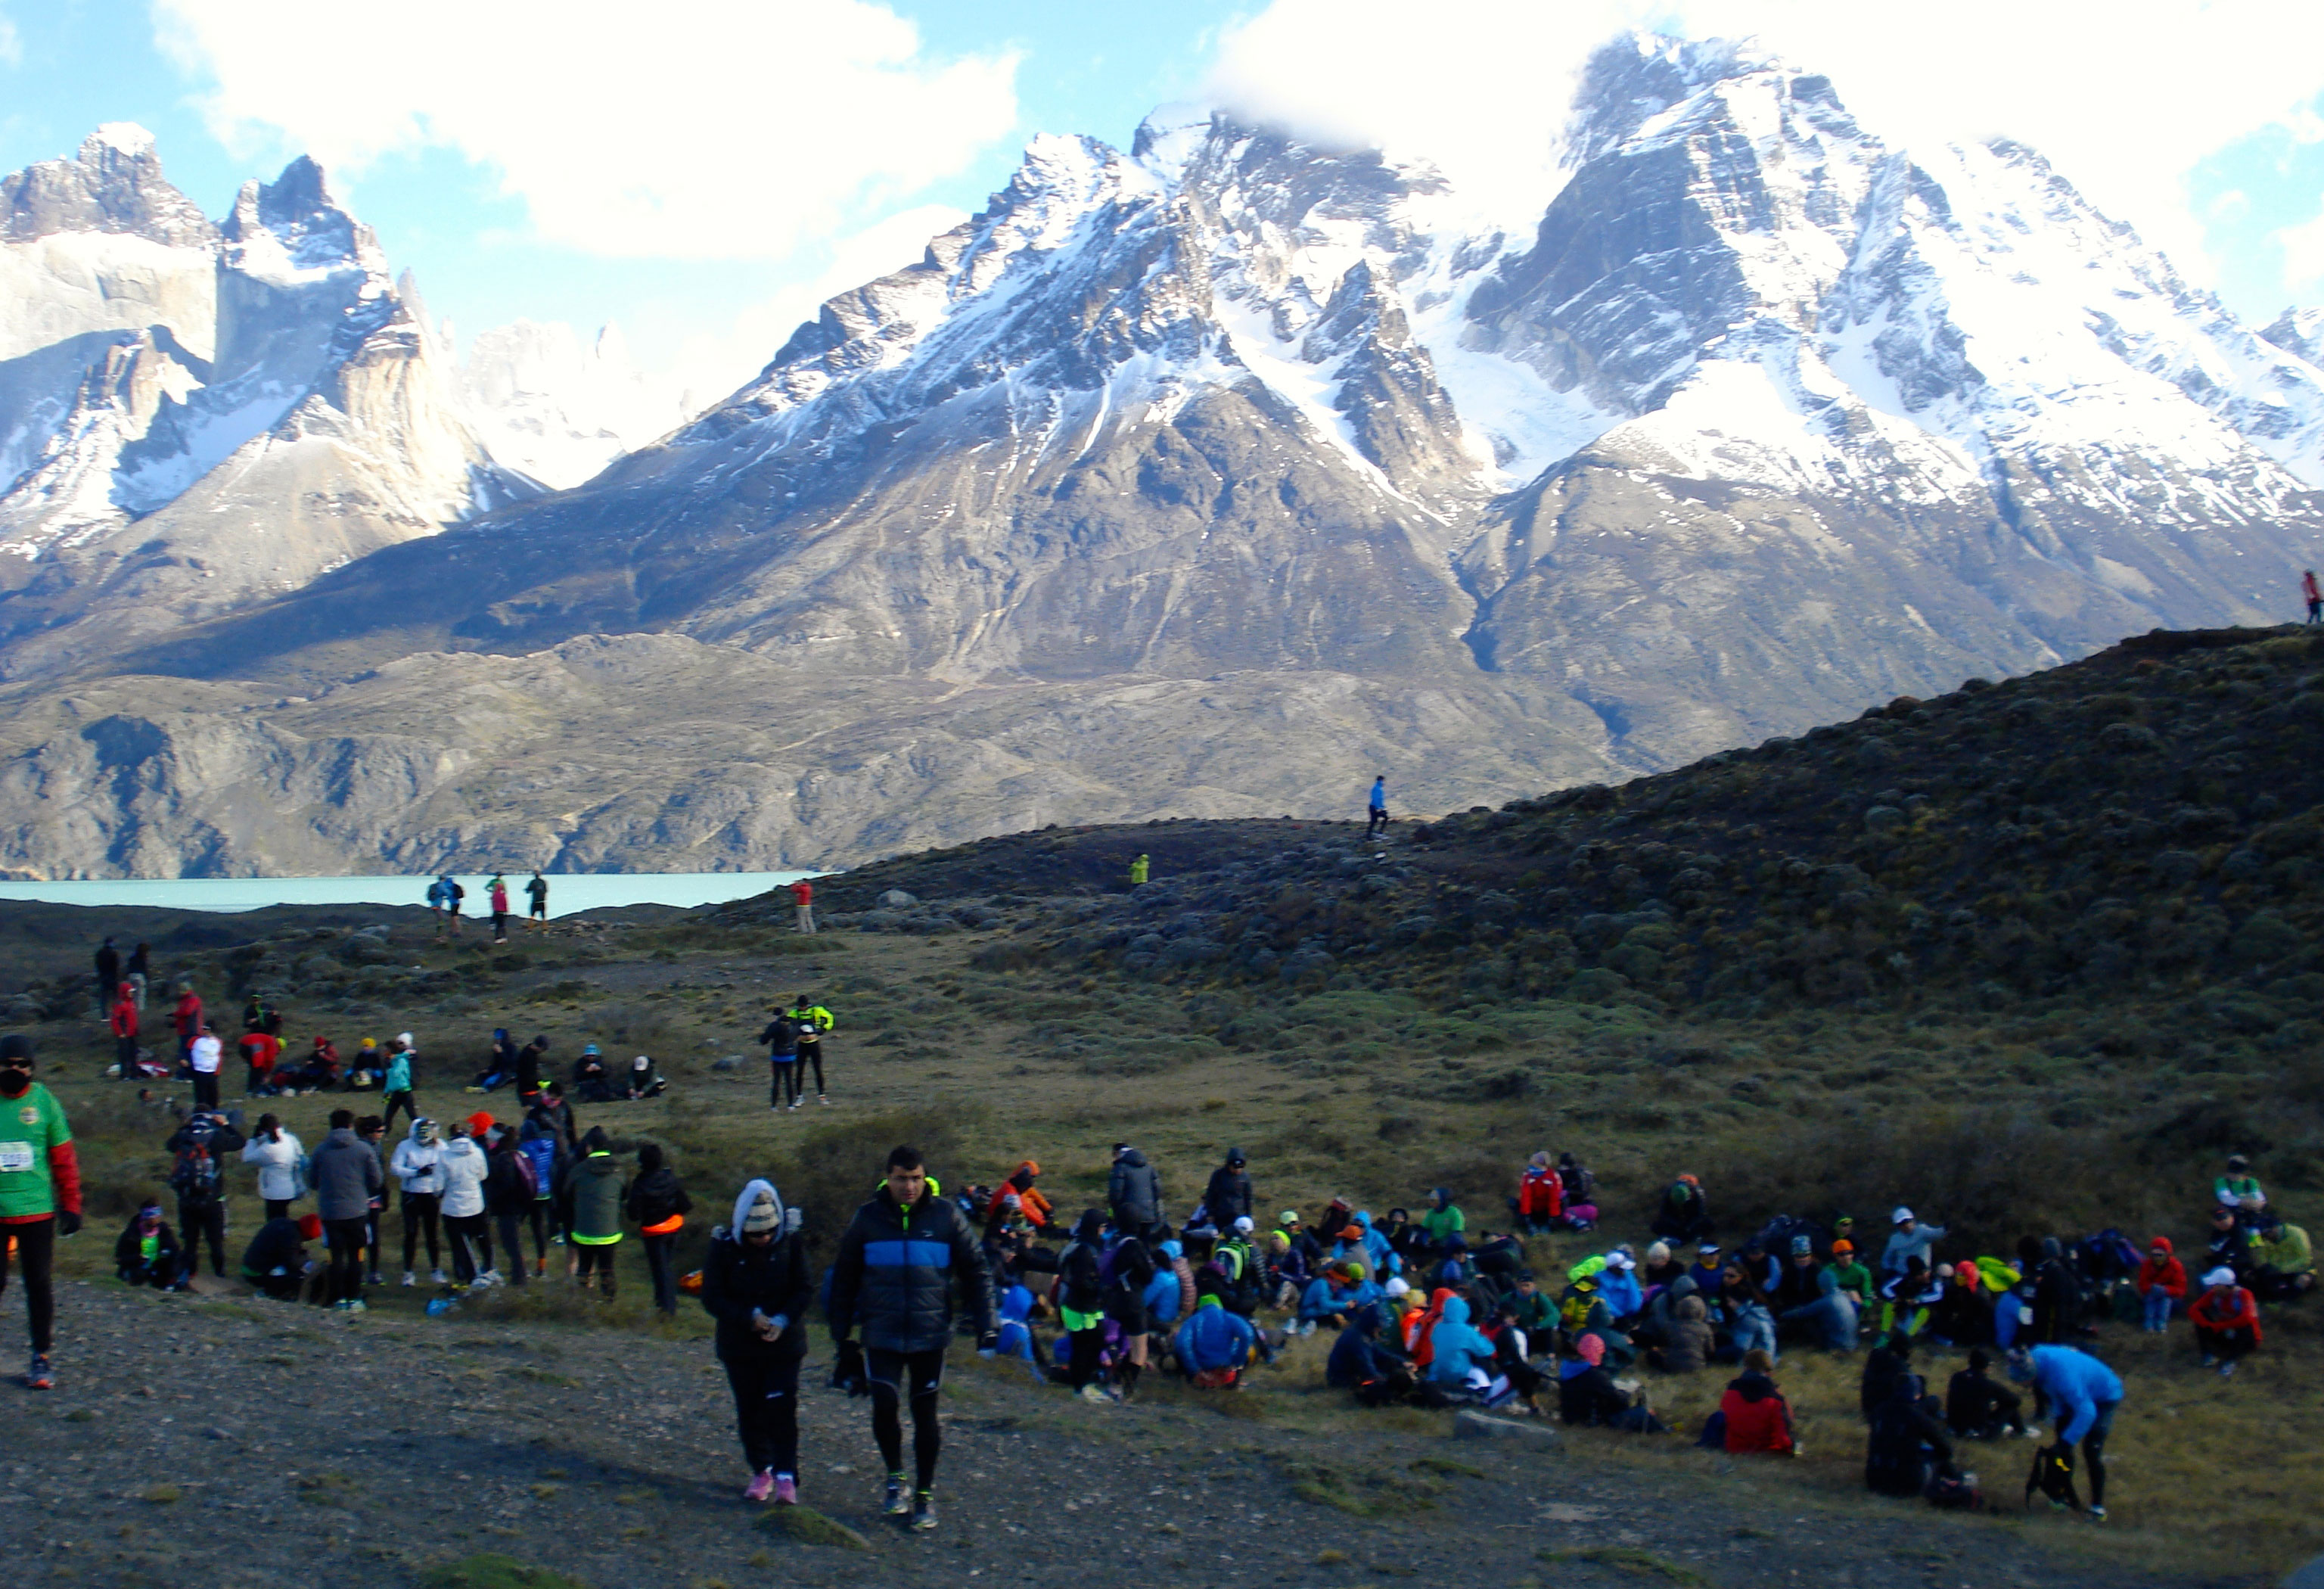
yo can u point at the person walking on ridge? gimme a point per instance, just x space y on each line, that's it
781 1036
891 1281
813 1021
2314 597
803 897
536 893
497 893
1376 822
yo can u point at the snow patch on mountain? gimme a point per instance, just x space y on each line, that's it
557 410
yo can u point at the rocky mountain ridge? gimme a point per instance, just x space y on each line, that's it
1767 419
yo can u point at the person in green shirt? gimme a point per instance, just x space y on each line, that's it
2238 1188
1853 1278
1443 1220
40 1194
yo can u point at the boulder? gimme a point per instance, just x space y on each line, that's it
1478 1425
896 898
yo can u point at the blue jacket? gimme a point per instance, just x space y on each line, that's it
2077 1385
1457 1346
399 1074
1321 1298
1017 1337
1162 1295
1378 1253
1214 1338
1364 1292
1620 1289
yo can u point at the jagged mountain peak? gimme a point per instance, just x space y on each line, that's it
293 227
113 184
2299 331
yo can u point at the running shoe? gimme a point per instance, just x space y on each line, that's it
409 1279
761 1485
899 1500
358 1306
2097 1514
821 1099
39 1376
437 1275
374 1280
2226 1369
1093 1393
786 1490
924 1511
796 1102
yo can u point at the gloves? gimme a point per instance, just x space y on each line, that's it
847 1371
67 1222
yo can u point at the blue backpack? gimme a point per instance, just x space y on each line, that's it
543 1153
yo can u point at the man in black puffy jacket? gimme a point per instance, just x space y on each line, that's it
1228 1196
892 1279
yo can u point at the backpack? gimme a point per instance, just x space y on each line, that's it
540 1155
2054 1476
195 1174
1950 1490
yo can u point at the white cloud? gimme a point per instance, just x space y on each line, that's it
2303 252
709 129
11 46
2124 96
709 367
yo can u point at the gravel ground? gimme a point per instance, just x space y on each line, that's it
216 1440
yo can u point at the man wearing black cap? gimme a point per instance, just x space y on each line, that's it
1228 1196
40 1194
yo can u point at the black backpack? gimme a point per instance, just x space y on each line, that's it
2054 1476
197 1174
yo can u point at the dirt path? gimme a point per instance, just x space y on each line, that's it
198 1441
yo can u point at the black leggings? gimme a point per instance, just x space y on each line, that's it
403 1101
511 1227
421 1211
811 1054
766 1406
346 1237
196 1219
1088 1346
894 1374
463 1230
786 1079
276 1207
36 1252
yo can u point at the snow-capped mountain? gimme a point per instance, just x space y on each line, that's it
557 410
1766 419
193 417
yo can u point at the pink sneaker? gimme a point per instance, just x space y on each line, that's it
761 1485
787 1491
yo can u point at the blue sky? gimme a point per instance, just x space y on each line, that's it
701 171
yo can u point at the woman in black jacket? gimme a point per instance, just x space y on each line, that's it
755 1284
658 1206
1081 1301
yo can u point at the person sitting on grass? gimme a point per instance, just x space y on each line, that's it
1980 1408
1686 1343
1588 1396
1907 1298
2284 1264
1758 1418
1017 1337
2238 1188
1661 1267
1214 1345
1363 1361
1441 1221
1618 1285
1684 1214
2162 1283
1829 1321
1908 1239
1540 1203
147 1252
1709 1270
1853 1278
1531 1307
1459 1356
2227 1321
1906 1442
1325 1301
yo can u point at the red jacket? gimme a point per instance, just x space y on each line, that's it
2169 1274
188 1016
1756 1421
803 891
2230 1308
124 1018
1541 1194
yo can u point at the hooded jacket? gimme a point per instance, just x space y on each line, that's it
1227 1198
1134 1189
1758 1418
1455 1346
1623 1296
1212 1339
740 1277
1359 1357
462 1169
346 1175
1688 1343
1081 1285
593 1185
278 1164
1034 1206
2076 1384
2168 1273
418 1166
509 1189
893 1278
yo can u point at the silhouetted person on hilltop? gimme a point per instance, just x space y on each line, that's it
2313 596
1377 820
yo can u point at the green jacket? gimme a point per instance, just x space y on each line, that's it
2287 1251
1853 1277
813 1016
598 1192
1440 1223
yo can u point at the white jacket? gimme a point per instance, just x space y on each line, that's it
418 1165
278 1165
463 1168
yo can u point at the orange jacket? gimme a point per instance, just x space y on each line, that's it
1034 1206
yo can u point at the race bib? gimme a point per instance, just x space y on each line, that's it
15 1156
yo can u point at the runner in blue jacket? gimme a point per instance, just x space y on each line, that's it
2083 1394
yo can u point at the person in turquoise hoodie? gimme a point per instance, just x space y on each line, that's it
399 1089
1378 1253
1214 1344
2083 1394
1325 1300
1458 1348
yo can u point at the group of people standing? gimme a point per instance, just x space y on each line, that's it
445 896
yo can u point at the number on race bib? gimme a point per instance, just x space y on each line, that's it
15 1156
